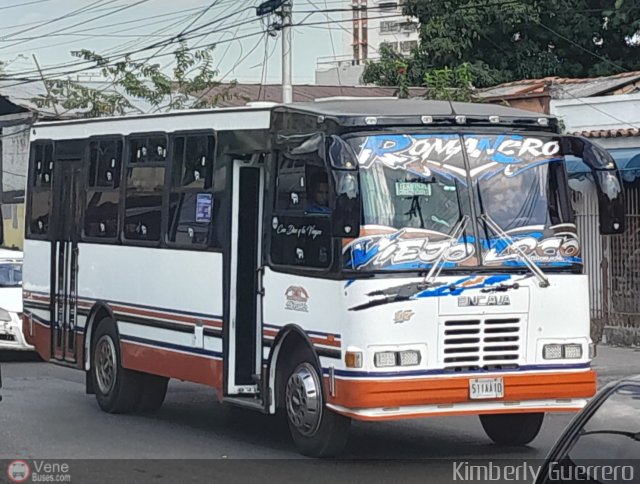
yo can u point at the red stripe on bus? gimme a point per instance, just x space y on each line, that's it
172 364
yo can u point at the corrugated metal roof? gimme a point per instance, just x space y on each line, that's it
562 87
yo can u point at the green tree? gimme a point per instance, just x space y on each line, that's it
192 75
450 84
507 40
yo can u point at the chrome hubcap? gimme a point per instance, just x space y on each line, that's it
105 364
304 399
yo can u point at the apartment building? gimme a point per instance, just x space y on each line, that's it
367 25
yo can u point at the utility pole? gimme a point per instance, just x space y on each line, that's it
287 85
269 7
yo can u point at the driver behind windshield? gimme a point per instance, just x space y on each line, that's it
318 201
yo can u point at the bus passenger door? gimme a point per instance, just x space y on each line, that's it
244 338
65 223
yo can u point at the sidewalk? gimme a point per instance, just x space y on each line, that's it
612 363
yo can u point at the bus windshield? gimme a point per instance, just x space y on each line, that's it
416 188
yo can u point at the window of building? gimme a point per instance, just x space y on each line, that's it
40 193
389 26
144 185
391 45
191 201
408 45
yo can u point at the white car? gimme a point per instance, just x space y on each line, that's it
11 336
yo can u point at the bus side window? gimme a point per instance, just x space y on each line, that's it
191 202
40 193
103 194
144 186
301 228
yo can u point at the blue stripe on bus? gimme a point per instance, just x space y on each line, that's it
379 374
171 346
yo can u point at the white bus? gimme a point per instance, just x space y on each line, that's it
336 260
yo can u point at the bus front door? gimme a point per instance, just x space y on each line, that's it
64 258
244 337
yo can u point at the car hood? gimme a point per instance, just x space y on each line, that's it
11 299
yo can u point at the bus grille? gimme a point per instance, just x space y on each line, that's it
482 344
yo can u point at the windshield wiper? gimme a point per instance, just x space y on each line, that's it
631 435
542 279
437 266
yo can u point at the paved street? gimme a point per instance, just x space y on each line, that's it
45 414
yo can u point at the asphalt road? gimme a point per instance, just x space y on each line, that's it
45 414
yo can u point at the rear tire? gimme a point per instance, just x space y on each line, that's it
512 429
116 388
315 430
153 390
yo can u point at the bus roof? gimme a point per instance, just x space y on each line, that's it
368 112
344 111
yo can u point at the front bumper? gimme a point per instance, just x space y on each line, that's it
11 335
524 392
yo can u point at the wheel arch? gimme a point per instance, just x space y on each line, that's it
98 312
290 336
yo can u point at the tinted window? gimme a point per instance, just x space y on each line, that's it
42 163
151 149
143 205
607 447
101 214
191 202
193 162
106 162
301 227
612 431
38 218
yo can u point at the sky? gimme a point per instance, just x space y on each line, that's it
51 29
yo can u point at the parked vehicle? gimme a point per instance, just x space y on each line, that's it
11 335
342 259
602 444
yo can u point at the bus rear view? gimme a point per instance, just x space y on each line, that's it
340 260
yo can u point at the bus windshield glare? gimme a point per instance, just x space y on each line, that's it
417 187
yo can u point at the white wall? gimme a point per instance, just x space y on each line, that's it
593 113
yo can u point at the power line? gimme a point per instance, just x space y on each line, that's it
17 5
116 56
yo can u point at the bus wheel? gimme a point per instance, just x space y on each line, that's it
316 430
153 390
512 429
116 388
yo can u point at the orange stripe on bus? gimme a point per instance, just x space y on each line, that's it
193 368
433 391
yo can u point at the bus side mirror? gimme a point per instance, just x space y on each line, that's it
611 202
348 204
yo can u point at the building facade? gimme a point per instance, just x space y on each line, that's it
368 24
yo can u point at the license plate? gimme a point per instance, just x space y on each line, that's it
486 388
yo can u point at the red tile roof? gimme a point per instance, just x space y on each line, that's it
609 133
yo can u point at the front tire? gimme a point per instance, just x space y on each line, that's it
315 430
116 388
512 429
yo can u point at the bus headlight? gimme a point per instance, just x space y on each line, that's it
385 359
573 351
552 352
409 358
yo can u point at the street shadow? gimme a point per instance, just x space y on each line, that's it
13 356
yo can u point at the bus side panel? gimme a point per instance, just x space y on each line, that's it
36 295
167 304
